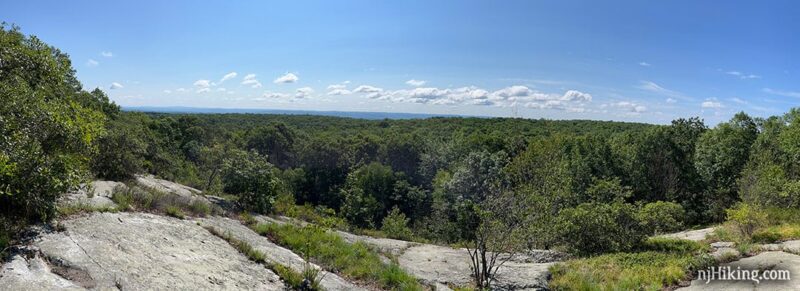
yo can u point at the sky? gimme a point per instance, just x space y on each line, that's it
643 61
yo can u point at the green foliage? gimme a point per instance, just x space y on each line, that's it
661 217
121 151
372 190
647 270
594 228
48 126
747 218
395 225
250 176
175 211
356 261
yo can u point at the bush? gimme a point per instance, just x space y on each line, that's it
121 151
747 218
251 177
661 217
175 211
594 228
395 225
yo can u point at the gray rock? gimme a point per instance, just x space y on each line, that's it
32 274
275 253
166 186
96 194
792 246
139 251
763 261
439 265
693 235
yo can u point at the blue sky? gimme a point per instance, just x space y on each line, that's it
642 61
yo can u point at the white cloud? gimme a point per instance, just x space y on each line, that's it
644 64
287 78
743 75
629 107
203 90
336 86
115 85
274 95
106 54
304 92
671 100
167 91
228 76
782 93
250 80
92 63
202 83
711 103
339 92
181 90
574 95
416 83
221 89
367 89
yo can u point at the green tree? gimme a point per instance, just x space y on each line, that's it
46 132
250 176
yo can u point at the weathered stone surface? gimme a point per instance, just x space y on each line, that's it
723 244
138 251
443 265
32 274
763 261
166 186
96 194
693 235
385 245
273 252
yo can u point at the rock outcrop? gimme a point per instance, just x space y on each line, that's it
133 251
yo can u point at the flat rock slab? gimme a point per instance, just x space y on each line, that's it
692 235
139 251
273 252
32 274
96 194
763 261
166 186
438 265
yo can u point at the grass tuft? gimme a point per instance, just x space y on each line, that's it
356 260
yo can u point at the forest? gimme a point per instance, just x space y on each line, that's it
580 186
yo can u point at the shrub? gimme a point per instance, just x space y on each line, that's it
395 225
594 228
661 217
747 218
251 177
175 211
121 151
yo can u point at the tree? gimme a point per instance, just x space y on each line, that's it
367 194
250 176
595 228
275 141
121 151
46 131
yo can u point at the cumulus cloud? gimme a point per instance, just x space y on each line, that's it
273 95
203 90
92 63
336 86
574 95
644 64
335 92
115 85
416 83
711 104
629 107
181 90
167 91
227 76
106 54
367 89
286 78
671 100
202 83
304 92
250 80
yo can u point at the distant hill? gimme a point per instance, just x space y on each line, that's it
351 114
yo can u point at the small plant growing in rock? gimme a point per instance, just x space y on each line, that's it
175 211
